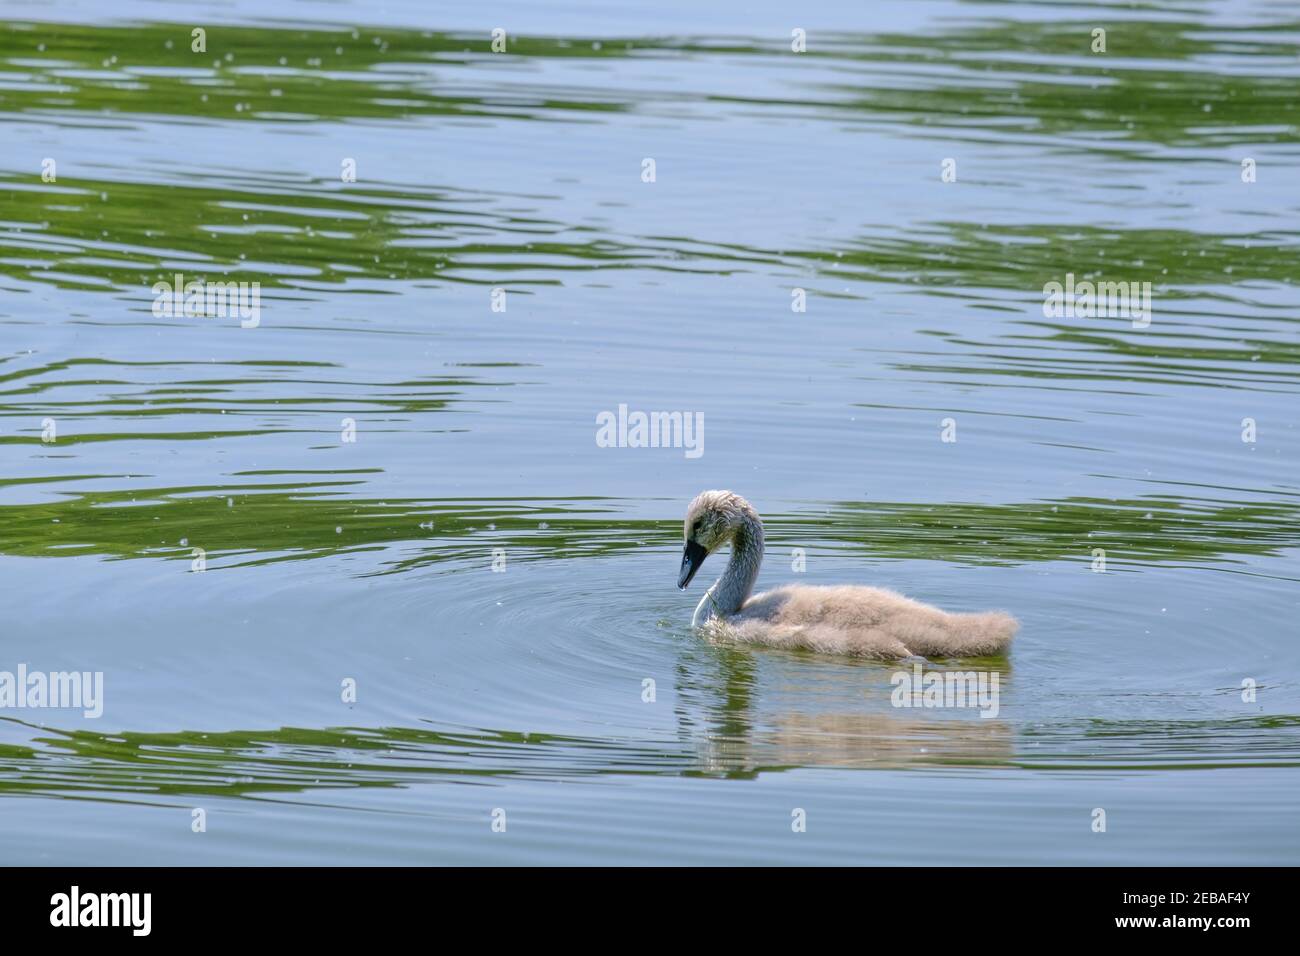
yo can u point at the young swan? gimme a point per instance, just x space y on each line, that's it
846 619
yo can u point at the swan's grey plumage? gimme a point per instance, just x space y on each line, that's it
844 619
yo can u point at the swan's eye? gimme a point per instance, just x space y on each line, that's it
695 528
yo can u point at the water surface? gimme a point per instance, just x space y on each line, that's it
524 691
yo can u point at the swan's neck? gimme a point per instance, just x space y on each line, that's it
729 592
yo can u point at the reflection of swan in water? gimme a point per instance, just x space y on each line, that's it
860 740
853 620
738 723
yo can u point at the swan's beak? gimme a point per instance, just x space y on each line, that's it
692 558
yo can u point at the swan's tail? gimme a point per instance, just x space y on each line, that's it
983 634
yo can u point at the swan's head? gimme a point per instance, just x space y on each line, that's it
712 520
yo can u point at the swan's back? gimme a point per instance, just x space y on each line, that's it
866 622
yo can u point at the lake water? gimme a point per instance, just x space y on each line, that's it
350 681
